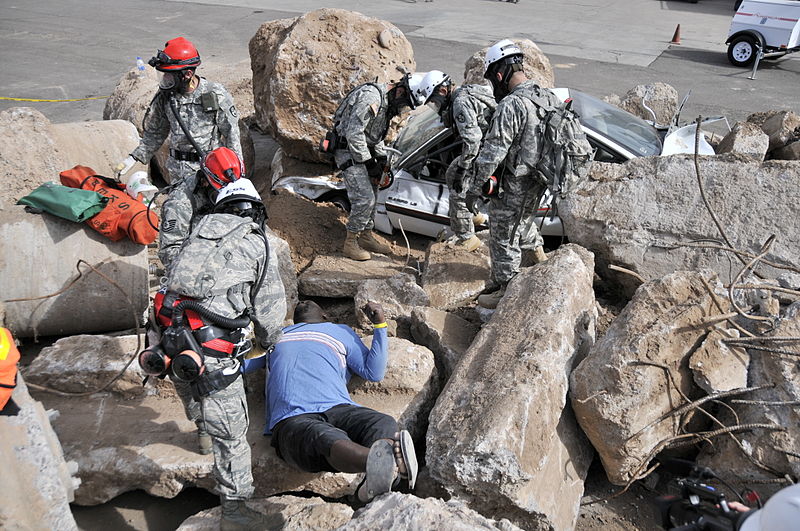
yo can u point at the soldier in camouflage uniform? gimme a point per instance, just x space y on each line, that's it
513 139
361 123
469 108
211 119
227 265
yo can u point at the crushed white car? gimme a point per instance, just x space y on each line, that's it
418 198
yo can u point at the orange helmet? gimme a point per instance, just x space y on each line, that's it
222 166
178 54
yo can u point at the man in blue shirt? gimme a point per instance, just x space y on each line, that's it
315 425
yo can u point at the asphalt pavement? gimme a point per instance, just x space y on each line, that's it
70 49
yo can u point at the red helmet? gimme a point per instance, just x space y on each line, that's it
178 54
222 166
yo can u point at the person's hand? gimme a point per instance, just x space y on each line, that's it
738 507
374 168
374 312
124 167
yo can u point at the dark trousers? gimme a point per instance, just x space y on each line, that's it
304 441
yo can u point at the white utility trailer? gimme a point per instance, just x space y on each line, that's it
763 29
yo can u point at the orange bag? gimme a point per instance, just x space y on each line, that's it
9 356
122 216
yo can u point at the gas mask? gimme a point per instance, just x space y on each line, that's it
174 81
398 104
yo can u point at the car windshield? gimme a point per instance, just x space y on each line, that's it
421 127
619 126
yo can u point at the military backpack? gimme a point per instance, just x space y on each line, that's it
208 263
566 155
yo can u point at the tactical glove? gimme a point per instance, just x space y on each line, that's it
374 168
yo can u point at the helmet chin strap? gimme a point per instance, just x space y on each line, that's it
500 87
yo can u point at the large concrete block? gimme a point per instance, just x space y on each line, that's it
36 482
624 371
500 436
303 68
638 214
40 256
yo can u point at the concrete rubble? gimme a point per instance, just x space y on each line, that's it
397 294
34 151
746 138
661 98
507 407
53 247
781 128
452 277
639 215
284 512
37 481
536 65
405 512
336 276
716 367
501 435
309 65
63 366
768 452
446 334
646 349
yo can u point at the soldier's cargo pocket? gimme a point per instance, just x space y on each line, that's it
225 417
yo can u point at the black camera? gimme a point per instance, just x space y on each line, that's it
699 507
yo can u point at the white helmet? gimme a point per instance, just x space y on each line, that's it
781 512
432 79
498 51
413 84
239 190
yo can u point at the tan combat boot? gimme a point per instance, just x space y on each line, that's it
351 249
469 245
539 255
491 300
367 241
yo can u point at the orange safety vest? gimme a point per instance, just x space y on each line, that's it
9 356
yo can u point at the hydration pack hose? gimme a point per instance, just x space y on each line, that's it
174 107
225 322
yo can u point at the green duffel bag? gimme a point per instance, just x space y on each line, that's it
73 204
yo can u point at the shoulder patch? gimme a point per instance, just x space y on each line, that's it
233 111
168 225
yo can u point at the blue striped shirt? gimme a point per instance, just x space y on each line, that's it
311 365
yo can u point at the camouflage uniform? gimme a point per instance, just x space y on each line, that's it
472 109
363 119
513 137
222 282
210 130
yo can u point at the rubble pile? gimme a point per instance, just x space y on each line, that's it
656 102
34 151
303 68
507 408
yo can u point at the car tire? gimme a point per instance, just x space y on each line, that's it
742 50
341 202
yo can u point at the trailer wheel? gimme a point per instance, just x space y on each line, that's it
742 50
